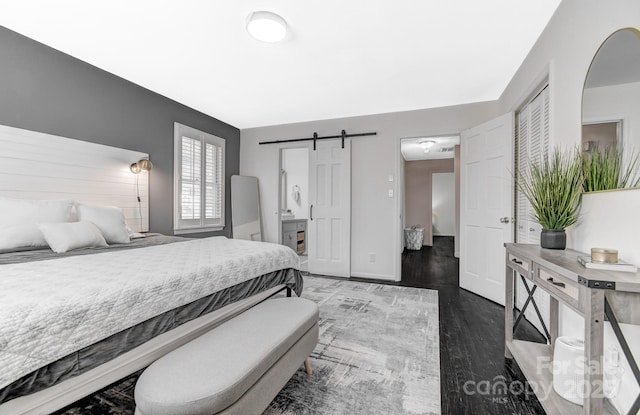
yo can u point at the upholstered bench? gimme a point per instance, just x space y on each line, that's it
236 368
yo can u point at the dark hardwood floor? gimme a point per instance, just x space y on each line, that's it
475 376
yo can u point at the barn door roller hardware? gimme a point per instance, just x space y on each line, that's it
315 138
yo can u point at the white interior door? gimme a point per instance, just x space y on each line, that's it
486 204
330 208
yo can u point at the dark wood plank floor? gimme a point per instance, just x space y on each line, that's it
475 376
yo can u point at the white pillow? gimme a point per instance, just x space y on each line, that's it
23 211
109 219
63 237
19 220
21 237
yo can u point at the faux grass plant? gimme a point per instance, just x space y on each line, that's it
553 187
606 170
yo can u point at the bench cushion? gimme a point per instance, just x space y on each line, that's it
210 373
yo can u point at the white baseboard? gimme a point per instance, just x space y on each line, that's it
374 276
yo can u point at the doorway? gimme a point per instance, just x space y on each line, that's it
430 182
430 161
293 201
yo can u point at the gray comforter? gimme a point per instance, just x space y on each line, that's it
55 309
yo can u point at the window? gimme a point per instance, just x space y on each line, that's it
198 181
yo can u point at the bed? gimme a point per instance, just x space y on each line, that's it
71 317
79 319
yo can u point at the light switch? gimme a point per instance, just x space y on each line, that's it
390 193
391 177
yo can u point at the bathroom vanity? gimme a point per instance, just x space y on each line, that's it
294 234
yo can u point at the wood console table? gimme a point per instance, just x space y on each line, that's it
594 294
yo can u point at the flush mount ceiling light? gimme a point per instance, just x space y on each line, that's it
427 144
266 26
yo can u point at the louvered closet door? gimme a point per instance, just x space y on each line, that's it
523 206
533 143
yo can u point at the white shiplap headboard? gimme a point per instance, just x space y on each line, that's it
35 165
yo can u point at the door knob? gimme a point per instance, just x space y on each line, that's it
504 219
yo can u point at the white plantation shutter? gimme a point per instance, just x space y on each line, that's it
198 180
190 188
213 183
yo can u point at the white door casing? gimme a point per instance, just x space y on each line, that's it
330 208
486 204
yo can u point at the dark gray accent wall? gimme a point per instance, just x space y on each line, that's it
45 90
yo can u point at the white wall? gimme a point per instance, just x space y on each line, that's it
376 218
564 52
418 193
616 102
295 162
610 220
443 206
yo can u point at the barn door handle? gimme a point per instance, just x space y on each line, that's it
311 212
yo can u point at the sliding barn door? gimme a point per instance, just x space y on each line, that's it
486 205
330 208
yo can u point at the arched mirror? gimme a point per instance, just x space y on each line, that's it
611 96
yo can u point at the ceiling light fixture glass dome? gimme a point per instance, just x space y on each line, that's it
266 26
427 143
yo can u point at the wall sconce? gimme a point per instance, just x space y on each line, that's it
144 164
141 165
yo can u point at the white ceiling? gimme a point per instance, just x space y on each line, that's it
342 58
420 148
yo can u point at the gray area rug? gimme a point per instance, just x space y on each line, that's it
377 354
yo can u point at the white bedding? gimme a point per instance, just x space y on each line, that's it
49 309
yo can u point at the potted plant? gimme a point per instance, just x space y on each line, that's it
606 170
553 187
